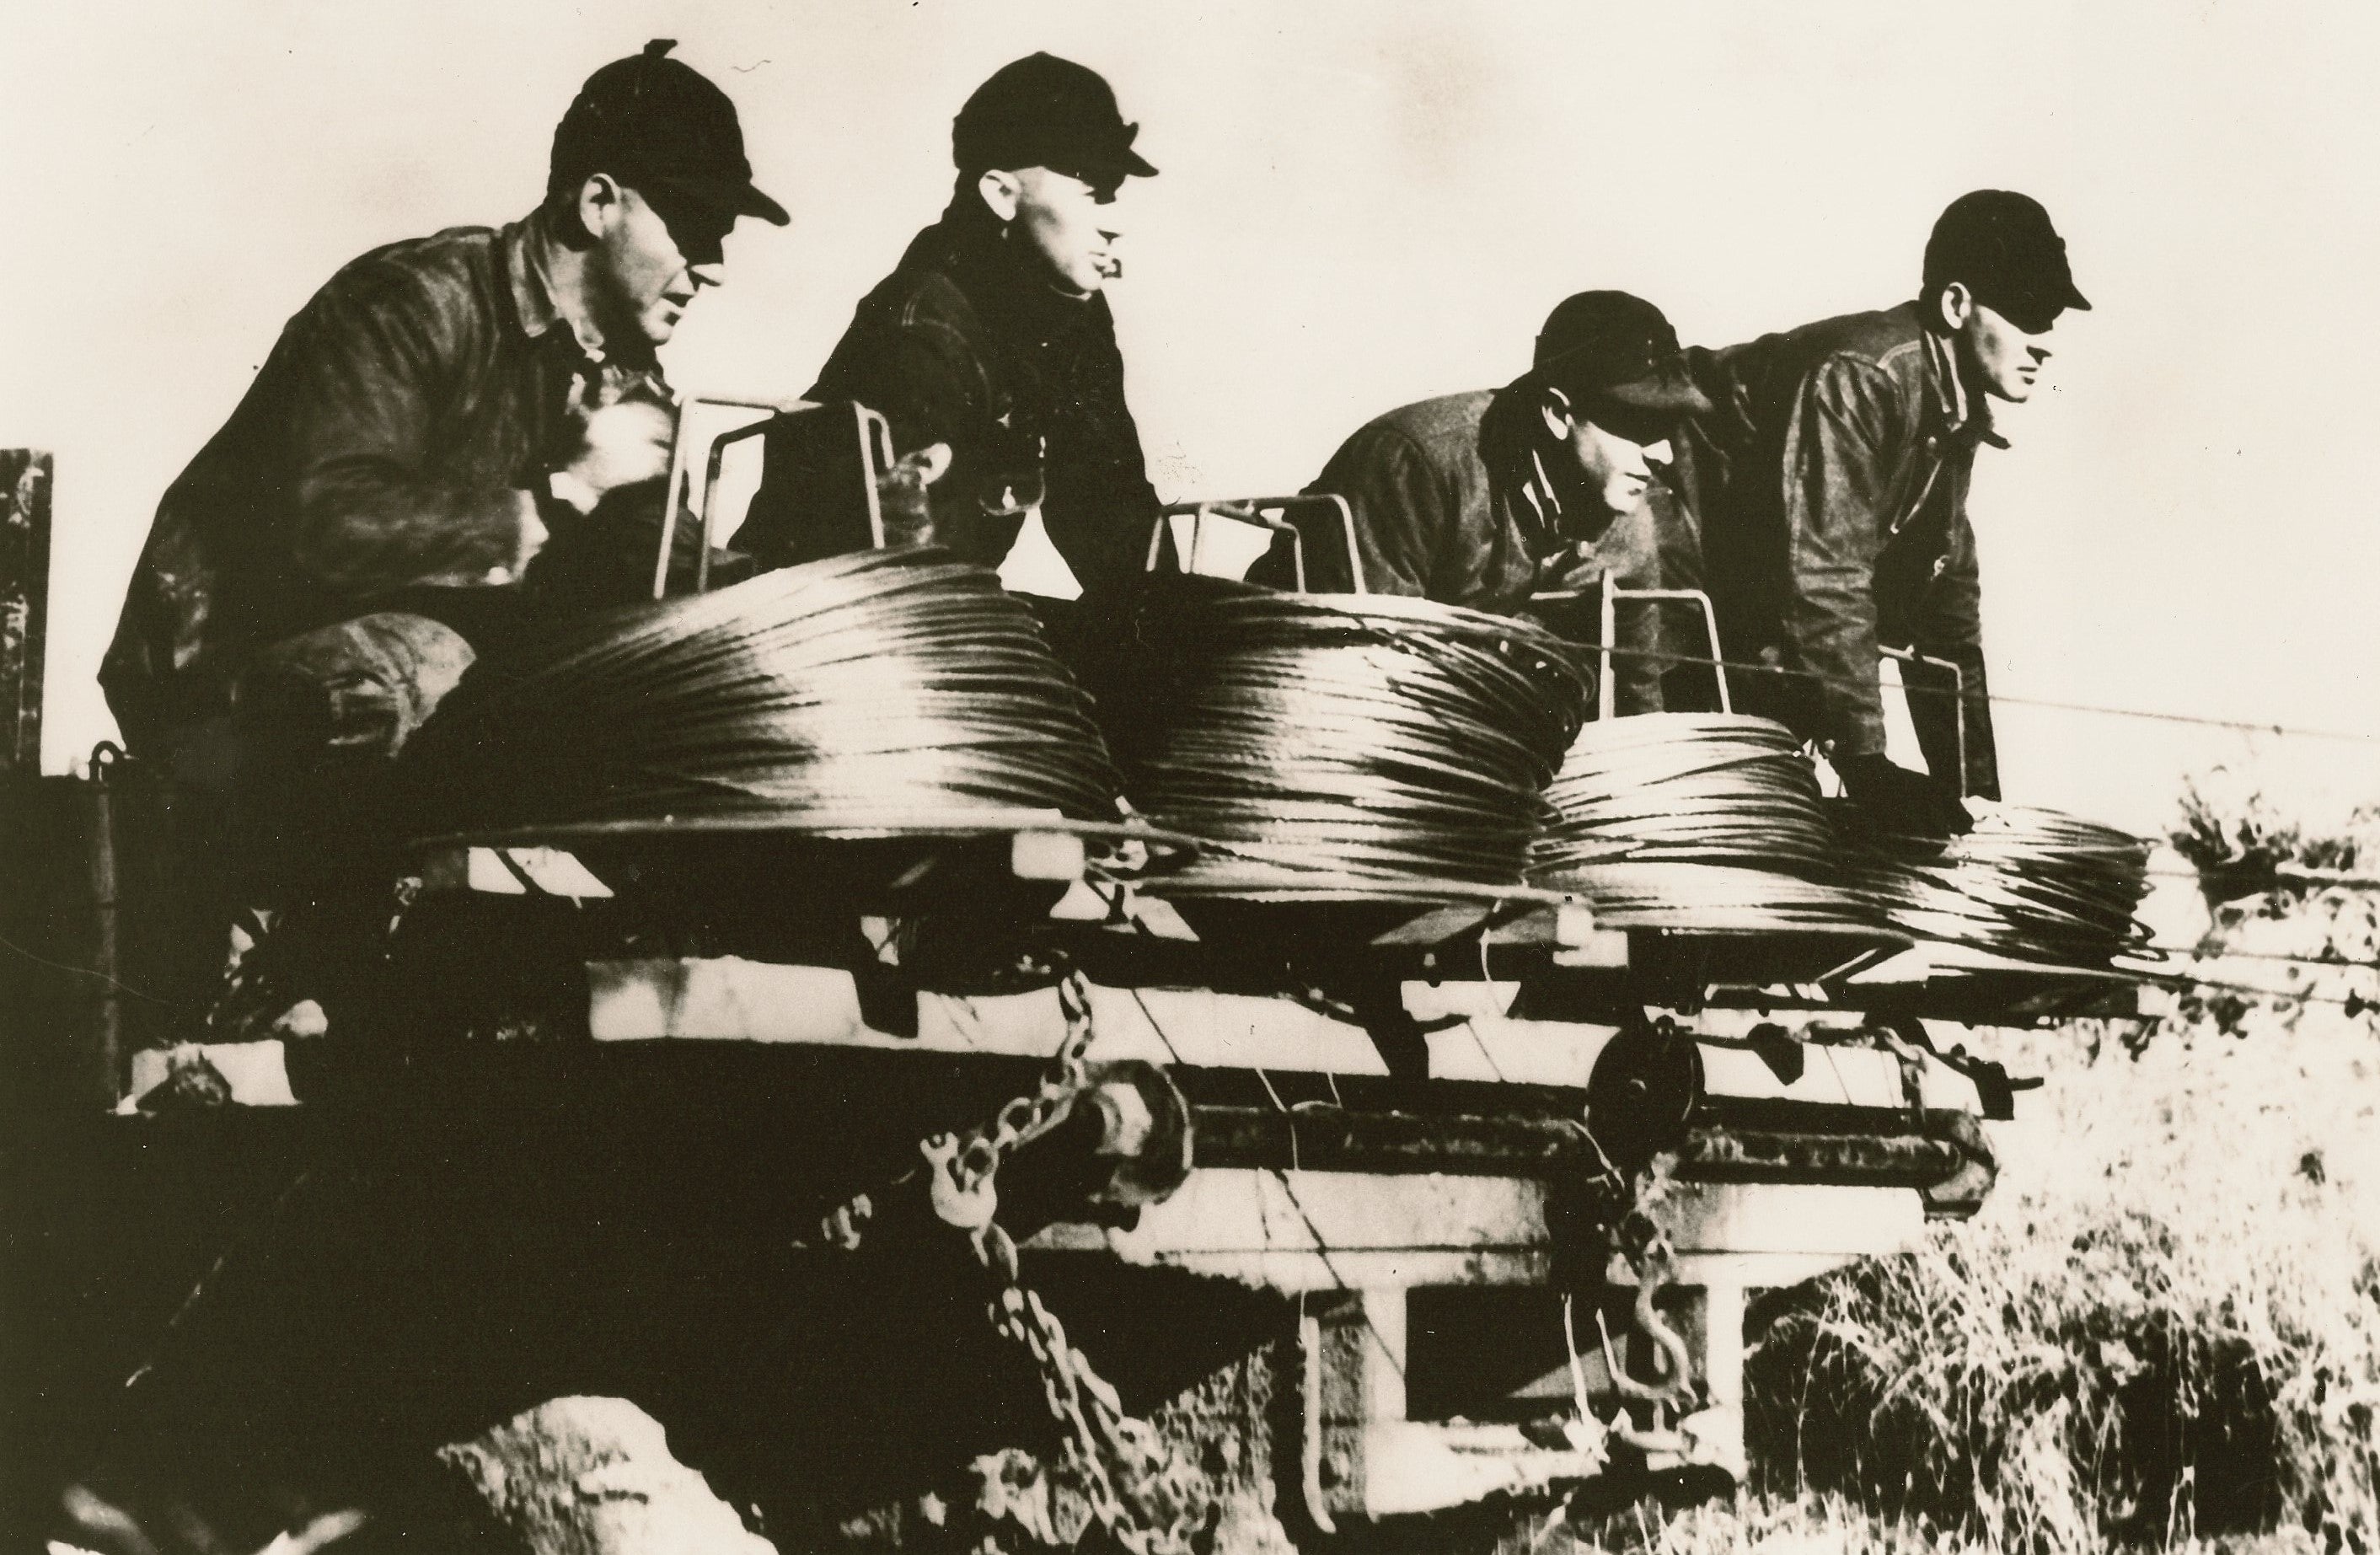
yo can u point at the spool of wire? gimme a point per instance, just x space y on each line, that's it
2031 884
876 694
1339 745
1697 822
1699 788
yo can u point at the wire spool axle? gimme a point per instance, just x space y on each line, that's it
1696 822
2031 884
1353 746
883 693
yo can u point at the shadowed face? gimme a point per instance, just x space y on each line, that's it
2000 353
1615 463
1067 226
640 279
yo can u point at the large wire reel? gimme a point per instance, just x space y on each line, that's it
2032 884
1356 747
881 693
1696 823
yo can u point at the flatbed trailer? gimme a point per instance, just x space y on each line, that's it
1394 1210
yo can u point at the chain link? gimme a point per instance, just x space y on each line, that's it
1106 1443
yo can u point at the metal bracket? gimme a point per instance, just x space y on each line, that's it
1957 697
1276 513
875 447
1607 690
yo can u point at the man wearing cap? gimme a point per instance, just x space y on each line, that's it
437 412
992 338
1494 498
442 411
1830 483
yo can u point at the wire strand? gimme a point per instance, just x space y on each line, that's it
1850 683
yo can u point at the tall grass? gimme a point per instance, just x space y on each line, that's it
2164 1327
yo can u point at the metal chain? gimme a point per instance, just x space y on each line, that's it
961 1181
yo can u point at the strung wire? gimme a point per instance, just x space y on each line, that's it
1355 744
2031 884
874 694
1706 822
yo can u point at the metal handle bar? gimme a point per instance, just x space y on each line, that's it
1958 699
875 455
1251 511
1606 691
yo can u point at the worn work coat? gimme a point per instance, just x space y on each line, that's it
962 344
1451 503
1830 484
384 459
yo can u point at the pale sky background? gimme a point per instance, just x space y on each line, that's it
1361 205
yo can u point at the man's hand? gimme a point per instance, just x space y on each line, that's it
1901 800
1575 569
622 444
901 495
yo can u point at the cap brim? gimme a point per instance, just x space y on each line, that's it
729 197
1107 170
1666 392
2033 310
752 202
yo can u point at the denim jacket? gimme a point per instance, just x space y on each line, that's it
1830 484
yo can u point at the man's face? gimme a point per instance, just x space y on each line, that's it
1070 227
1615 464
2002 357
641 278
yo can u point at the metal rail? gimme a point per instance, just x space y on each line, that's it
1254 511
1957 697
875 440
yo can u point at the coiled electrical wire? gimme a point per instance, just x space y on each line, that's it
873 694
1347 744
2031 884
1715 899
1705 822
1702 788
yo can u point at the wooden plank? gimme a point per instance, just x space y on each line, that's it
24 604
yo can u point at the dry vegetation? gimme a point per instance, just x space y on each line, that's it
2164 1328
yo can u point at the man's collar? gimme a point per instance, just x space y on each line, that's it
1963 414
1539 488
546 284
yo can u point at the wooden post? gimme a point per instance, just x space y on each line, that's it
24 605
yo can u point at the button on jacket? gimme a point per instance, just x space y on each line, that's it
385 454
963 345
1451 503
1830 484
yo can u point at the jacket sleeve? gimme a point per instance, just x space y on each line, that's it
1102 520
1949 626
369 370
1841 448
1400 506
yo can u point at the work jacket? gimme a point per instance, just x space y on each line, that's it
1451 501
962 344
384 456
1830 484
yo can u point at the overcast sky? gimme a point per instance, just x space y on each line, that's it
1360 205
